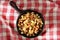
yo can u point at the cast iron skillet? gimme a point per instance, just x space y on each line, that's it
13 4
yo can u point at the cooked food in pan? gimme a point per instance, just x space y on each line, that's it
29 24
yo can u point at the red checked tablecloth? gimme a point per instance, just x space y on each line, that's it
8 17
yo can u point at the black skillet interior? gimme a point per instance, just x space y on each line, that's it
24 12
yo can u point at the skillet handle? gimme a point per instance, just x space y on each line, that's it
13 4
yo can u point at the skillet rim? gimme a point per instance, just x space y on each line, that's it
24 12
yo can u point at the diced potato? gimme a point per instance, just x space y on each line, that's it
30 28
36 14
21 32
27 34
22 16
18 24
32 23
19 28
30 31
24 29
35 31
27 15
40 25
